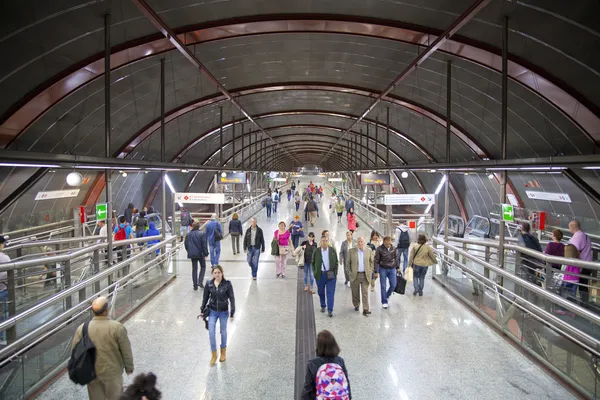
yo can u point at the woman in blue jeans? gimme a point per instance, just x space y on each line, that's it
421 257
217 302
309 247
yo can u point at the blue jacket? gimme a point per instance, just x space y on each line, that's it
235 226
349 204
195 244
211 226
152 231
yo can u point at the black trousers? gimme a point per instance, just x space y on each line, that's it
198 278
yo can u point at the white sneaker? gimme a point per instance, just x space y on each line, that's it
385 306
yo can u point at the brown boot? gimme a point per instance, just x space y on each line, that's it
213 359
223 354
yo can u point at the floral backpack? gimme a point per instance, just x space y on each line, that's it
331 383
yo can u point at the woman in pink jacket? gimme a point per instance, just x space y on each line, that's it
283 238
351 220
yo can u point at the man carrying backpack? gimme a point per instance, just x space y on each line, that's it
312 209
214 235
122 231
268 204
402 244
275 200
113 354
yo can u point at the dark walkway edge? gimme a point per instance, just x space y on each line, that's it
306 333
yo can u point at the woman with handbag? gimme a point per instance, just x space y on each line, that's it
309 247
219 302
351 220
283 239
421 257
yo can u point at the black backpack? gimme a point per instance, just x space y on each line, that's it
83 358
218 235
403 240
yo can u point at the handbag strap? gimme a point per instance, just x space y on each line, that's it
415 256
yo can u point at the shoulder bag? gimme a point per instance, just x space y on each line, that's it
283 250
329 274
274 247
218 235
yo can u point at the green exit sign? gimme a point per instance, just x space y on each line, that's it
101 211
508 213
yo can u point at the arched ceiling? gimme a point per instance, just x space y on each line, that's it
301 68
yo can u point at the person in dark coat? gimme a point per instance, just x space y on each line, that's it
327 353
129 213
235 230
197 250
529 264
349 205
254 244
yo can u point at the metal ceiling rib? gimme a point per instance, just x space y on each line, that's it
453 28
155 19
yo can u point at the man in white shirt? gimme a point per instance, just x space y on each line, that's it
360 267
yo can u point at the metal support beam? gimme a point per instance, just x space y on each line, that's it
221 135
387 137
503 142
107 153
167 32
465 17
448 135
163 156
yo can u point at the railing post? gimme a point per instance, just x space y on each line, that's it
11 304
96 268
547 280
67 283
486 271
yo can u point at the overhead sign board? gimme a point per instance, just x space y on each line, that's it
408 199
508 213
512 199
200 198
57 194
279 180
101 211
334 179
375 179
561 197
233 177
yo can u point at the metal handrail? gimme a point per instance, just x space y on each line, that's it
20 343
549 319
545 258
66 257
38 243
12 321
253 200
530 286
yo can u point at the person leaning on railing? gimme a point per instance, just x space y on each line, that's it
529 264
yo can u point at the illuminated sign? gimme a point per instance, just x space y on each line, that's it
562 197
200 198
408 199
57 194
233 177
375 179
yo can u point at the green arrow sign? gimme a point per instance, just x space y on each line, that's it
508 213
101 211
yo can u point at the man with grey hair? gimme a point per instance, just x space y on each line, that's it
584 245
113 352
360 269
254 244
214 234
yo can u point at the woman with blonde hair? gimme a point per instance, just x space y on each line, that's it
235 230
283 239
421 257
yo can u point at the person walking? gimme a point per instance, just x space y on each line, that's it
385 266
529 264
113 352
141 224
121 232
373 245
283 239
254 244
235 230
152 231
297 200
289 194
555 247
421 257
348 244
351 220
339 209
214 234
325 268
312 208
268 204
402 244
309 247
360 266
276 198
349 205
219 302
197 251
128 213
327 372
583 244
297 230
186 222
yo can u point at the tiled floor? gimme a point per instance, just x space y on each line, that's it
420 348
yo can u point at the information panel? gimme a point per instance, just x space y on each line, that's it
101 211
508 213
200 198
57 194
375 179
562 197
408 199
233 178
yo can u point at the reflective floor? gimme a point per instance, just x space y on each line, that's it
420 348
